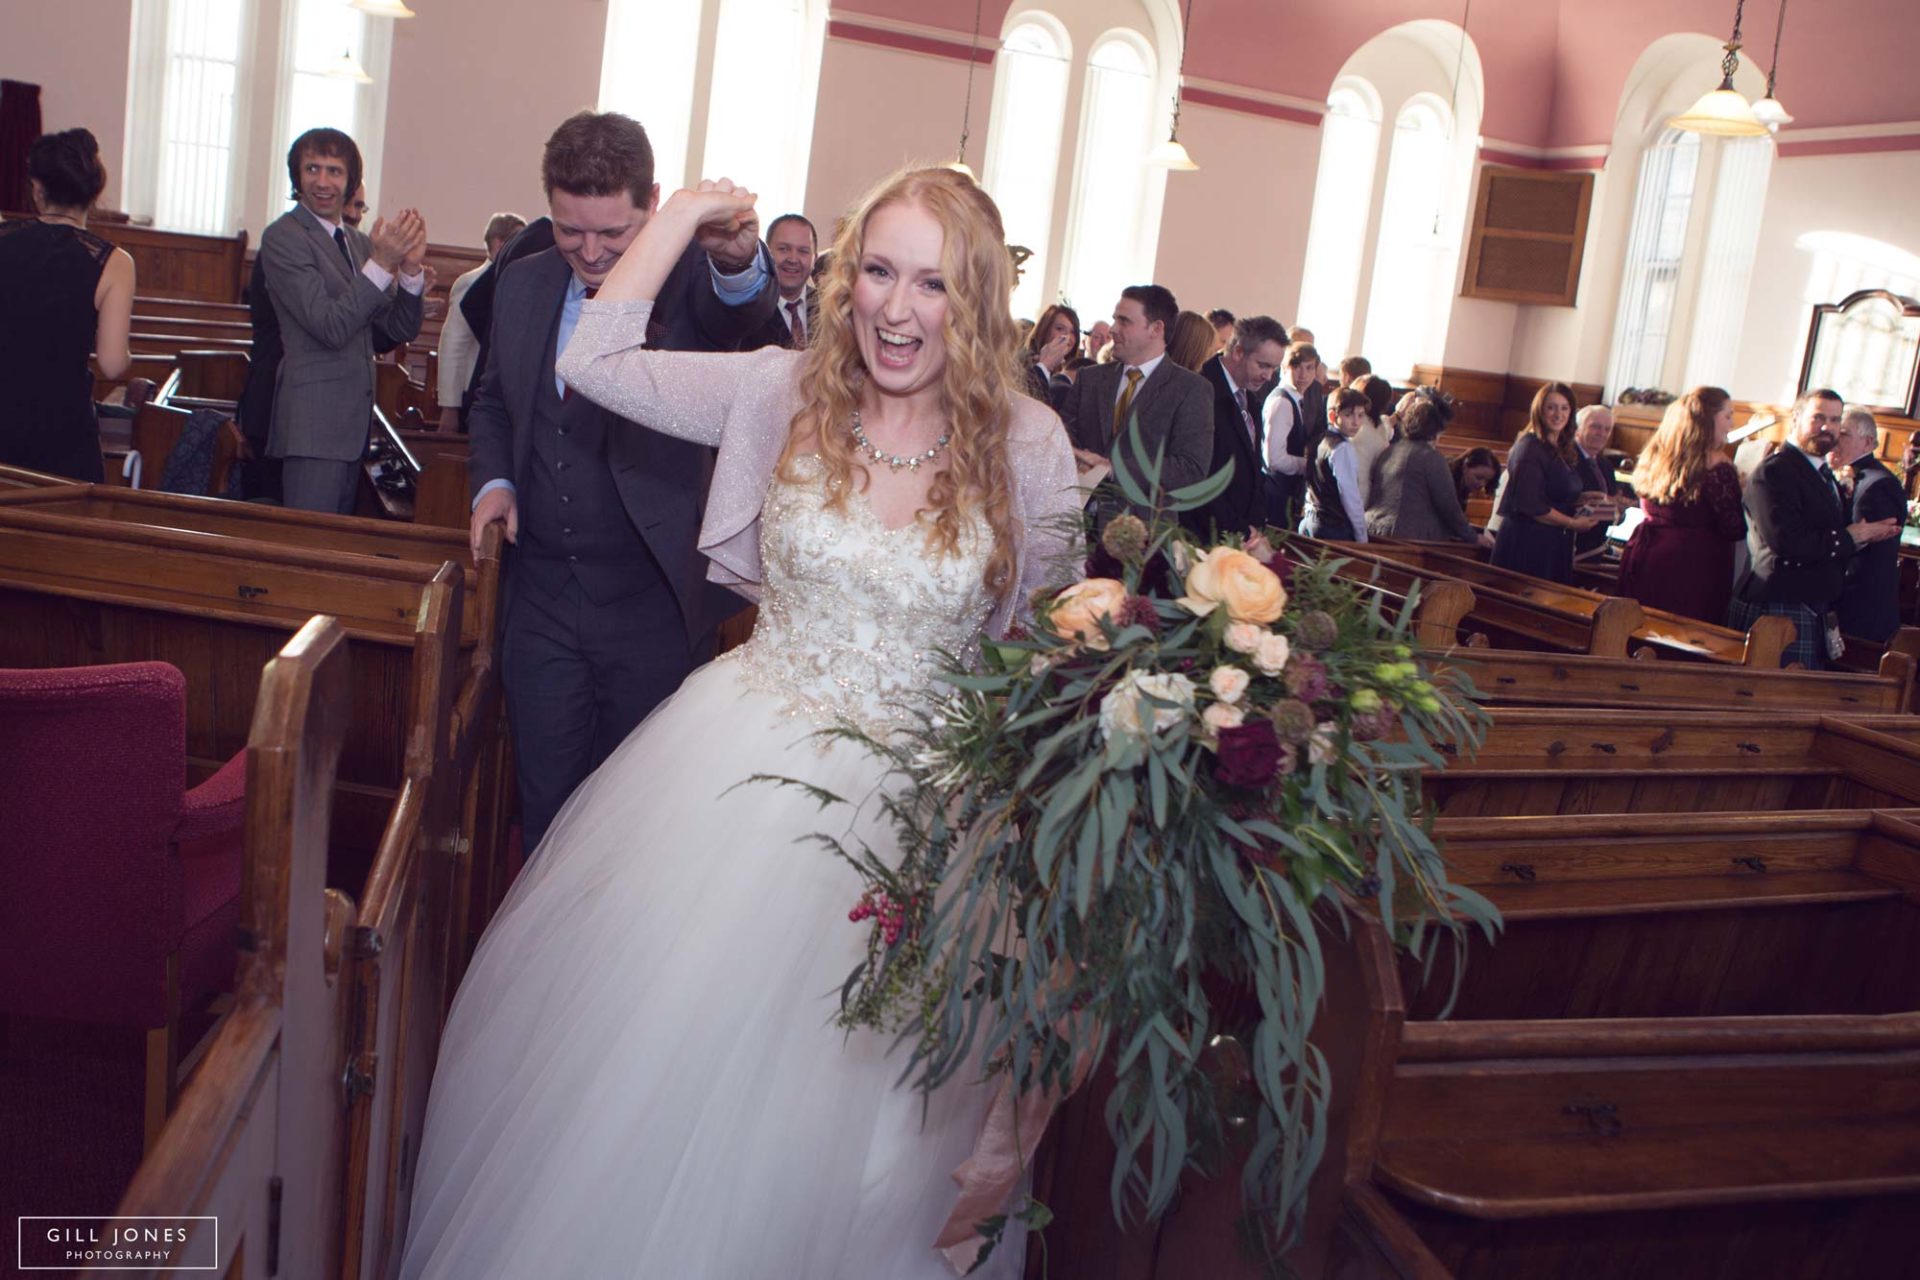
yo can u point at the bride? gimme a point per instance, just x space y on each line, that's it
640 1076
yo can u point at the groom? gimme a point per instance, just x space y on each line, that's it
607 603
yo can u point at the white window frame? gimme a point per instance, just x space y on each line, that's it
1336 240
148 59
1402 264
367 128
999 175
1137 241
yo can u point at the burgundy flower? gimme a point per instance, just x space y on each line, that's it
1249 754
1282 565
1139 612
1370 725
1306 678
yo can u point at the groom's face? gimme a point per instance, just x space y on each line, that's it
591 232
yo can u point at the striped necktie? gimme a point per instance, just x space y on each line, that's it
1126 402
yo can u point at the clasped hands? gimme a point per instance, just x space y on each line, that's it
719 216
400 246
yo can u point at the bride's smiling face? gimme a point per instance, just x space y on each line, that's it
900 300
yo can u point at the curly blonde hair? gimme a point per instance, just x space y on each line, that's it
1673 466
976 390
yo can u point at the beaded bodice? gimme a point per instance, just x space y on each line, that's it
854 615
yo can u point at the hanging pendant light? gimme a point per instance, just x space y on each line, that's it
1172 154
1769 110
382 8
1724 113
346 67
959 163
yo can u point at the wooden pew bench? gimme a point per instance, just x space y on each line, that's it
1604 761
1664 634
91 574
1676 1066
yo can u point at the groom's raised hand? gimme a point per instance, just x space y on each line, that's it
726 224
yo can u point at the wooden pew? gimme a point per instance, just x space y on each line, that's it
192 309
1508 677
1664 634
157 428
1604 761
175 264
440 489
89 574
254 1142
1692 1054
1541 619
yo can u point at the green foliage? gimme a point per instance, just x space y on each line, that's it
1073 891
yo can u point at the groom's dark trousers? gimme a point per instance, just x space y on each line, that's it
607 604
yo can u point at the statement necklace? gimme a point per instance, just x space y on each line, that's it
894 460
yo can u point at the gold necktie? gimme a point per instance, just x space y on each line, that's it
1126 402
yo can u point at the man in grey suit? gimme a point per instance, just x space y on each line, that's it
1175 406
607 603
335 291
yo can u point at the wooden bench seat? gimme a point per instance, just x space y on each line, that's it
1823 1127
1686 893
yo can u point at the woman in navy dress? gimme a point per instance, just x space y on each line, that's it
1539 512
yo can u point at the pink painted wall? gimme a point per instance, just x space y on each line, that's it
1842 62
77 53
474 91
1554 70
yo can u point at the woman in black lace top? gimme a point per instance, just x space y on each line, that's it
65 294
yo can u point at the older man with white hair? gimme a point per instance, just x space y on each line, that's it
1592 431
1869 605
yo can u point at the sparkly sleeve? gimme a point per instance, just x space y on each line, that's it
1050 503
685 394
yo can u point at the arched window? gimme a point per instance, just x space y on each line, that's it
1342 199
1103 244
1733 240
755 124
1650 289
183 164
319 95
646 71
1408 293
1023 152
766 68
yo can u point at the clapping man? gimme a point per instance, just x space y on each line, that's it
336 293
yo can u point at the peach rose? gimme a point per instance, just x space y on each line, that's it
1228 576
1077 611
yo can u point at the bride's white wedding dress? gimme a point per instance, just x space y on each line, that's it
640 1077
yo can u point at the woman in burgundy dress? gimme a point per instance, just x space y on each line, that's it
1680 558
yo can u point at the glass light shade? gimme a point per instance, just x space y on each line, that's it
382 8
1721 114
960 166
1769 112
1171 154
345 68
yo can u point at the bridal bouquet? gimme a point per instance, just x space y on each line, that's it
1197 759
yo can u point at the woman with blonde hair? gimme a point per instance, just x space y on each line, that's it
641 1075
1539 509
1191 341
1680 558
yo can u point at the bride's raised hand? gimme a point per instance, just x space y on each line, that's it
718 214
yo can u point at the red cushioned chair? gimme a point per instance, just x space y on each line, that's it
119 887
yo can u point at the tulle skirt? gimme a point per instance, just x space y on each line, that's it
640 1076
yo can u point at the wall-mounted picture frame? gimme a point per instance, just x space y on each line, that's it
1867 347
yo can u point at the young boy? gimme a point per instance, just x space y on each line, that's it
1334 507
